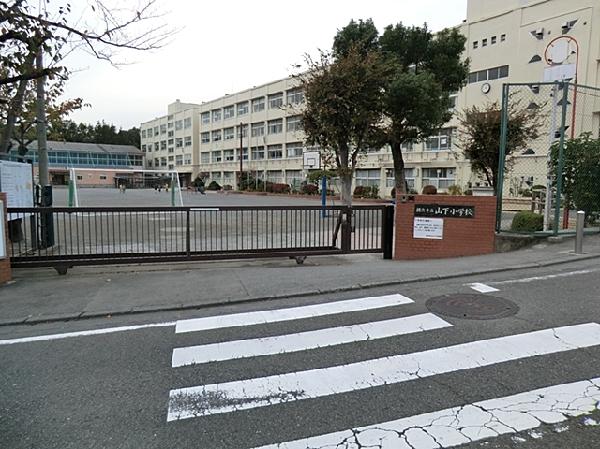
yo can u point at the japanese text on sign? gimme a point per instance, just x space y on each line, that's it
443 211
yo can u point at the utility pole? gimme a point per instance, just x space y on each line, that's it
241 155
41 123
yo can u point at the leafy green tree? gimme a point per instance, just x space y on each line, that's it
480 136
343 108
581 173
361 35
425 68
101 132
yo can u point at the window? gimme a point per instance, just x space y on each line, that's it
407 146
216 115
440 142
187 141
170 134
258 153
171 158
215 176
489 74
294 149
484 42
187 122
155 146
170 125
103 177
502 37
178 125
493 40
442 178
295 96
370 177
258 104
228 112
275 126
205 158
294 123
163 129
149 132
170 117
257 129
216 156
163 161
244 131
187 159
179 159
475 44
453 97
294 177
228 155
144 148
409 177
275 176
179 142
205 118
150 164
163 145
79 178
228 133
274 152
276 101
143 133
242 108
156 162
156 130
205 137
216 135
244 153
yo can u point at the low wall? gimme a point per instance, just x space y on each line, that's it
443 226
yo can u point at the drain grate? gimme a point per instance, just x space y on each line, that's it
472 306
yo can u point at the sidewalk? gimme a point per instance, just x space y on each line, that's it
40 295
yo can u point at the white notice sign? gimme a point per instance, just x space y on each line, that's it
428 228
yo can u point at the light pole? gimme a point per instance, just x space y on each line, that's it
241 156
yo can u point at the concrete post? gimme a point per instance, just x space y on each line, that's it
579 234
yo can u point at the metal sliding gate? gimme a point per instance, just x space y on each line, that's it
101 235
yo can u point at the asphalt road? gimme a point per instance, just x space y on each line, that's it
120 389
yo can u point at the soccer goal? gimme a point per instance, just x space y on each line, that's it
116 187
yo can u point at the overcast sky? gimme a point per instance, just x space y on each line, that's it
224 46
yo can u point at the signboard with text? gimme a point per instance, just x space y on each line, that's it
428 228
444 211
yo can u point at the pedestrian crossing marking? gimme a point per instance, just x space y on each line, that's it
259 392
467 423
306 340
292 313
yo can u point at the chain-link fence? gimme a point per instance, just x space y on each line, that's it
549 129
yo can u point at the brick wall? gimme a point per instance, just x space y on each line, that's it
461 236
5 271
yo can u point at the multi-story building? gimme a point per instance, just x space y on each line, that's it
508 41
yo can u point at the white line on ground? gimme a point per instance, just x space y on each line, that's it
467 423
260 392
292 313
108 330
306 340
482 288
544 278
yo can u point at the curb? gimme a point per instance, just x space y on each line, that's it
32 320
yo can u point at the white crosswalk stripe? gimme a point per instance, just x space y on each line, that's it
292 313
260 392
433 429
467 423
306 340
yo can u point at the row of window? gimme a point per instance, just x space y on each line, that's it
258 129
275 101
292 150
84 159
489 74
164 144
180 159
492 40
160 130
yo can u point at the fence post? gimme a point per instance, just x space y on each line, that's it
579 234
346 229
187 232
561 162
388 232
502 155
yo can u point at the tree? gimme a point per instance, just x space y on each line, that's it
424 70
28 31
361 35
480 136
101 132
581 173
343 108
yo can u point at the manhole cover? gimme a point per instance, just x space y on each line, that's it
472 306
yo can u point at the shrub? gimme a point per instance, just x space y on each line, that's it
429 190
280 188
526 221
227 187
366 192
454 190
309 189
214 185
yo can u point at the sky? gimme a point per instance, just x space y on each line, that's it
224 46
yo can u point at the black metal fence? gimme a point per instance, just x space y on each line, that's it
65 237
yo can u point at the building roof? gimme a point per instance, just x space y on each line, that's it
89 147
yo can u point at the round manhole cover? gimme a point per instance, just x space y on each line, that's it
472 306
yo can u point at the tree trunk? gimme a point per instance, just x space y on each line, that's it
399 169
14 108
346 189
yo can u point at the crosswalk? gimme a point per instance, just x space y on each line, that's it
449 427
